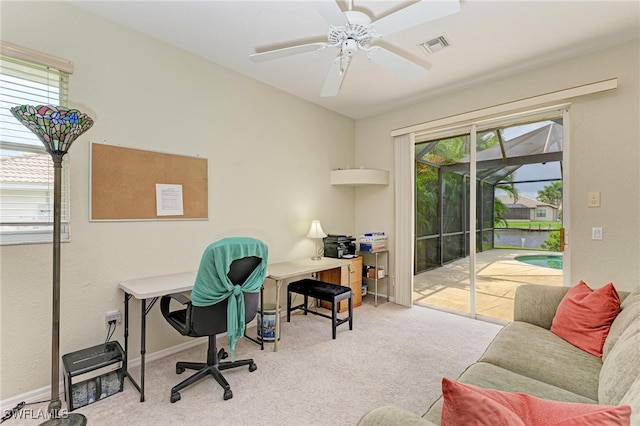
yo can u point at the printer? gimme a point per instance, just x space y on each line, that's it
339 246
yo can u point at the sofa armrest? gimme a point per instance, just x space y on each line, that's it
537 304
389 416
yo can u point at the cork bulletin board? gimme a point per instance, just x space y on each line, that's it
124 184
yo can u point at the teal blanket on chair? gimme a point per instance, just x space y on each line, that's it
212 284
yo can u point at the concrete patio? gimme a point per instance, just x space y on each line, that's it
498 275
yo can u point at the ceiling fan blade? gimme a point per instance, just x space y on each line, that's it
396 63
331 12
417 13
334 78
287 51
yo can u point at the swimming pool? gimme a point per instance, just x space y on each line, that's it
547 260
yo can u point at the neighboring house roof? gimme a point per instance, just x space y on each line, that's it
32 168
522 202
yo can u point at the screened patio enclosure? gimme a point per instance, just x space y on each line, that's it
442 176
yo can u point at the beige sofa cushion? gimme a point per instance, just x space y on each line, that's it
621 367
630 312
537 304
493 377
390 415
632 398
628 299
540 355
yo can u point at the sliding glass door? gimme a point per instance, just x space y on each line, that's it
442 223
465 201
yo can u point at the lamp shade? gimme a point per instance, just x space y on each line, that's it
57 127
316 230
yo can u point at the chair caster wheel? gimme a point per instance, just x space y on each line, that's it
175 397
228 394
222 354
253 367
179 370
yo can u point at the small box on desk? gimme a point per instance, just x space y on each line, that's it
373 247
92 374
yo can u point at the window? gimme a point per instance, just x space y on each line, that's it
26 169
541 213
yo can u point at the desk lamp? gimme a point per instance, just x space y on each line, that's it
57 127
316 233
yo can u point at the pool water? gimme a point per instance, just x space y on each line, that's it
547 260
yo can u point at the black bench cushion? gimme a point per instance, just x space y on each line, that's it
318 289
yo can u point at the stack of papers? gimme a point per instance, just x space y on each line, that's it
372 241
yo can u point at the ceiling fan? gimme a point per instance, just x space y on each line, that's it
352 31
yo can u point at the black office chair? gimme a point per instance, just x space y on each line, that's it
197 321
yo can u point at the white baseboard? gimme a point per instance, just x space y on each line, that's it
380 296
44 393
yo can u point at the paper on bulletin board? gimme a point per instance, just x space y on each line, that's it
169 200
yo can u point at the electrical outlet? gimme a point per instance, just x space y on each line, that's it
113 315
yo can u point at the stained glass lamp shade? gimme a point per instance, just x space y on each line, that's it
57 127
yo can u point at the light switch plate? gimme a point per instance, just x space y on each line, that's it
593 199
596 233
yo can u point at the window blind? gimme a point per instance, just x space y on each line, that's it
26 169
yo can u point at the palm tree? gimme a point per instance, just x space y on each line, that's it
500 209
551 194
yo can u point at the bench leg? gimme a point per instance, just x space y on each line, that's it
351 312
334 315
288 306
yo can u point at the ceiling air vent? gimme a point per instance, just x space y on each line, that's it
434 45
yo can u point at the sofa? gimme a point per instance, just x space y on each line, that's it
526 357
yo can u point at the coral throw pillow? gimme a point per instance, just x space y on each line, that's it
472 405
584 316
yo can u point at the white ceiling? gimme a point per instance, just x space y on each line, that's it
489 39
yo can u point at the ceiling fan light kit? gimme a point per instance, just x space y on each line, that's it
350 47
352 31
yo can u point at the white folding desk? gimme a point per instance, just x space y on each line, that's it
155 287
294 268
143 289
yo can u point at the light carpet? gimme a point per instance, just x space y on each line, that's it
394 355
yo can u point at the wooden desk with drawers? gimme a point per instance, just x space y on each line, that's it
350 278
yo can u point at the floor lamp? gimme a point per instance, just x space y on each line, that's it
57 127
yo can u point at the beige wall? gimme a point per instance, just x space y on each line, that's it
269 159
605 143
